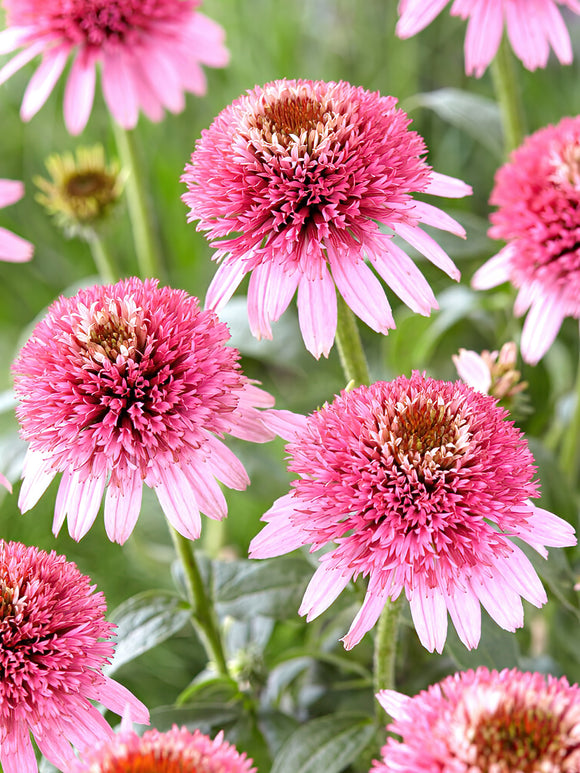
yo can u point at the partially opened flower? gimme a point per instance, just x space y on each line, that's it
532 28
493 373
54 642
176 751
538 198
149 52
131 384
420 485
290 181
483 721
12 248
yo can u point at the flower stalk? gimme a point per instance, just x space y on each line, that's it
386 649
349 345
509 97
102 258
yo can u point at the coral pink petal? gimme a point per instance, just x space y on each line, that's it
224 284
429 248
38 474
415 15
14 248
119 89
117 698
79 93
362 292
444 185
317 313
541 327
404 278
429 613
435 217
326 585
177 501
465 613
43 82
20 60
11 191
122 506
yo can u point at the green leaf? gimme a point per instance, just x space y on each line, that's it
218 689
206 717
326 744
144 621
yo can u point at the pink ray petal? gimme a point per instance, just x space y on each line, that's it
362 292
43 81
122 506
317 313
79 93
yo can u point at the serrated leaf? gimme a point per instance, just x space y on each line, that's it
143 622
328 743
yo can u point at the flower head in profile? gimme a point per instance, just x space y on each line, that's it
54 642
131 384
482 721
290 181
493 373
82 191
13 248
149 52
418 484
532 28
538 198
175 751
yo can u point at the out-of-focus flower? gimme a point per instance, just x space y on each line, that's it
12 248
128 384
419 484
291 179
532 28
175 751
82 191
538 198
54 642
483 721
493 373
149 51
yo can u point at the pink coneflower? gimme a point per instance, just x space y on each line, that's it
12 248
533 26
54 641
419 484
485 722
128 384
175 751
538 195
150 52
493 373
290 180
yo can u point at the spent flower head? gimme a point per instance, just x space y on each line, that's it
289 182
420 485
54 642
482 722
13 248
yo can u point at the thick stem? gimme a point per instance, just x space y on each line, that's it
103 260
141 220
386 650
349 344
570 451
203 614
509 96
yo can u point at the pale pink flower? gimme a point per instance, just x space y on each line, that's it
132 384
12 248
290 181
149 52
419 485
533 26
175 751
54 642
538 198
493 373
484 722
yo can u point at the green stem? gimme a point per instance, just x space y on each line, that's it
103 260
349 344
509 96
386 650
570 451
141 220
203 615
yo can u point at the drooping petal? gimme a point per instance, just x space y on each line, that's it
122 506
317 313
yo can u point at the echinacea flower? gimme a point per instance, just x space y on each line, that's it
149 52
419 484
12 248
537 193
482 722
493 373
175 751
533 27
290 181
131 384
54 642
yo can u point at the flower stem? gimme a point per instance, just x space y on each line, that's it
570 451
509 96
386 649
103 260
203 615
349 344
141 221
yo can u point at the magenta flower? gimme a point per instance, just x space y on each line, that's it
128 384
532 28
54 641
538 198
485 721
149 51
175 751
12 248
419 484
290 180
